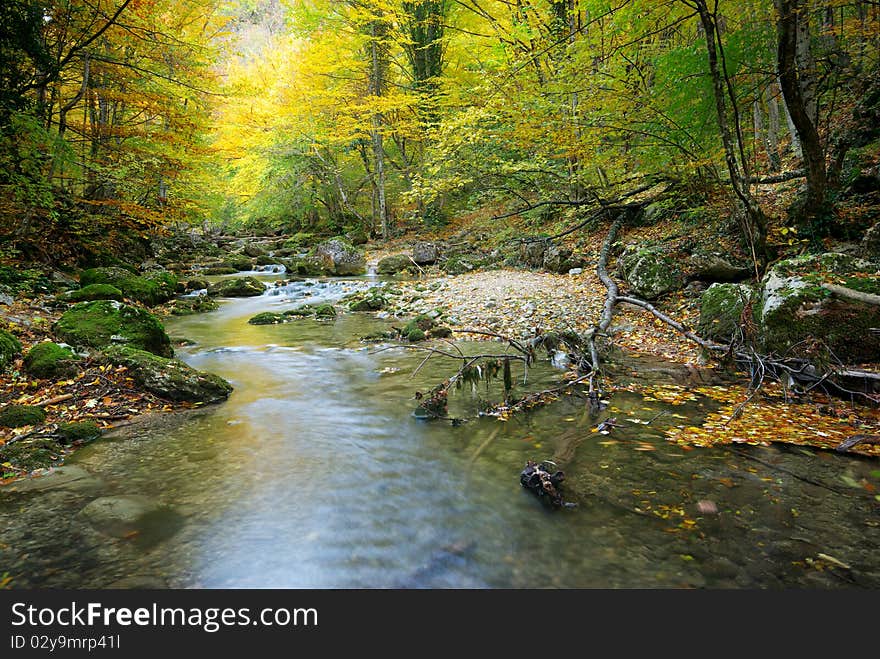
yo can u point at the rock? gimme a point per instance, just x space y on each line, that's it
870 245
239 287
92 292
119 516
795 312
6 299
77 432
425 253
31 453
9 347
866 181
456 265
712 266
532 253
649 272
253 250
152 288
559 259
338 257
373 300
195 285
169 378
95 324
192 305
391 265
67 477
576 271
240 263
16 416
49 360
220 270
721 307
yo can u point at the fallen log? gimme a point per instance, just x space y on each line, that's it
855 440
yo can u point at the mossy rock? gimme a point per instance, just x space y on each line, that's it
338 257
325 311
439 332
372 300
268 318
93 292
414 335
265 259
650 272
239 287
419 328
101 323
721 308
457 265
16 416
9 347
797 316
391 265
193 305
49 360
220 270
77 432
170 379
155 287
240 263
30 454
253 250
196 285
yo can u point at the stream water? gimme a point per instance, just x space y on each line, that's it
316 473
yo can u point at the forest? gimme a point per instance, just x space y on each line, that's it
576 229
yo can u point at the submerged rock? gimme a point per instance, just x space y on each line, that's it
239 287
119 515
169 378
102 323
192 305
48 360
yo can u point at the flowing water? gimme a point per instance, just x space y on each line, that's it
316 473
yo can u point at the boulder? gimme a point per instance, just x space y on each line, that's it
870 245
253 250
49 360
169 378
650 272
9 347
532 253
16 416
721 308
101 323
391 265
796 314
339 257
92 292
239 263
192 305
456 265
425 253
77 432
152 288
560 260
238 287
714 266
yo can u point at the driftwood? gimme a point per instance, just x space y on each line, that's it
855 440
850 294
538 478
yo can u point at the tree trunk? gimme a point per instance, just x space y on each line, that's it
800 106
772 129
376 89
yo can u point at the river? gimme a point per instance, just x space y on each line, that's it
316 474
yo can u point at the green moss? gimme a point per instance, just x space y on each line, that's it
93 292
49 360
393 264
372 300
440 332
16 416
267 318
77 432
220 270
31 454
151 289
102 322
414 334
239 287
721 308
9 347
240 263
456 265
193 305
325 311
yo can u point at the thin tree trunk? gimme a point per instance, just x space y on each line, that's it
772 129
376 133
